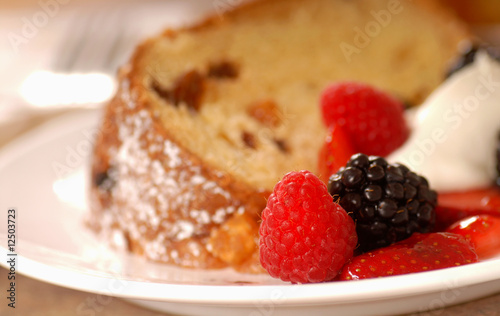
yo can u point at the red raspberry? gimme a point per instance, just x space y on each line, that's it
373 119
304 236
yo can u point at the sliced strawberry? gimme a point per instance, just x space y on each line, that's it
420 252
336 151
455 206
373 119
483 231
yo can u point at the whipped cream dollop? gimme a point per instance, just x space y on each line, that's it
455 132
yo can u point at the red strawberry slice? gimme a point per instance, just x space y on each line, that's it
335 153
483 231
373 119
420 252
455 206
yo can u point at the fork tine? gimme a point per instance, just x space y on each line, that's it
69 45
90 43
121 41
114 35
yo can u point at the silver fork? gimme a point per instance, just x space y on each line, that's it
92 43
90 50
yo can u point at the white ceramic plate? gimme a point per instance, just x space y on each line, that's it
43 176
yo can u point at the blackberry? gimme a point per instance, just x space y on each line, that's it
468 56
388 202
465 59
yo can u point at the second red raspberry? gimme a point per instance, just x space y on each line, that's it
373 118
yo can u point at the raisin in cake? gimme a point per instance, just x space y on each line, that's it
208 118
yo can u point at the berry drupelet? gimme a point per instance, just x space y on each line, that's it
388 202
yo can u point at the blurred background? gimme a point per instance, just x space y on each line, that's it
476 12
60 55
57 55
483 16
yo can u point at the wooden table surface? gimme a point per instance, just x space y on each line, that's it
39 298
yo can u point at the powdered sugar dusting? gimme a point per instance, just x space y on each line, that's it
220 214
183 230
156 191
172 152
201 216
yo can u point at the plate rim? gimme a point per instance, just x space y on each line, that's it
427 282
